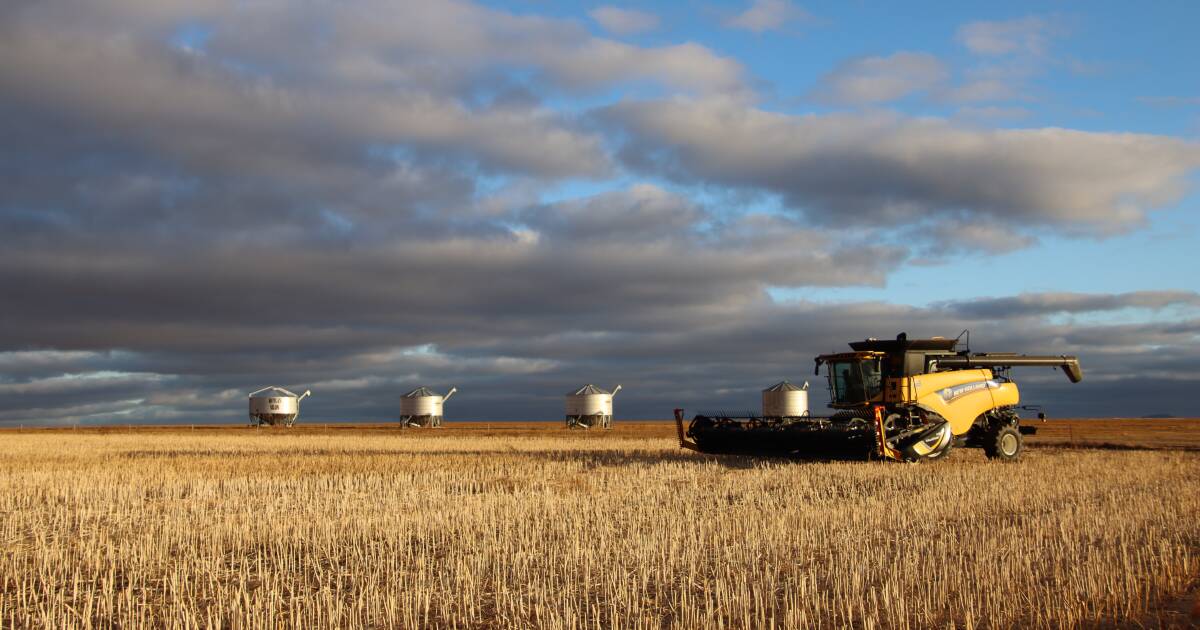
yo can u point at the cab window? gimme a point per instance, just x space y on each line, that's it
856 381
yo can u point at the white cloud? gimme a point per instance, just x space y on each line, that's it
82 381
683 66
624 21
1011 52
879 79
1028 35
12 360
957 237
767 15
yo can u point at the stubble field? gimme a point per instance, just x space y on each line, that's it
518 526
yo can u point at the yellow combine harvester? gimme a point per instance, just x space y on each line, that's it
903 399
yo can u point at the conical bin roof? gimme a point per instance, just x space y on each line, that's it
272 392
421 392
589 390
784 386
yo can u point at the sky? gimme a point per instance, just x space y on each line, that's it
202 198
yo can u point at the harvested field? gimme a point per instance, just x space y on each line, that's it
518 526
1133 433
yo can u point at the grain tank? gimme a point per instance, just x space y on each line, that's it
422 407
275 405
785 400
590 406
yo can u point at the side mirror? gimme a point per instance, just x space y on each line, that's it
1041 415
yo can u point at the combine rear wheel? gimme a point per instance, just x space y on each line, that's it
1003 443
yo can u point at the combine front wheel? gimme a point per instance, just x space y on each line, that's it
1003 443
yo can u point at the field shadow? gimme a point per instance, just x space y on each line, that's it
588 458
1113 446
593 459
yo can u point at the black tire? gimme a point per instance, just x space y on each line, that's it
1003 443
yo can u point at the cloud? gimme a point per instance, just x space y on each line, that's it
1028 35
624 21
268 103
643 213
886 169
247 133
457 40
1010 53
868 80
204 198
196 111
76 394
767 15
716 354
686 66
1039 304
950 237
573 265
617 267
996 80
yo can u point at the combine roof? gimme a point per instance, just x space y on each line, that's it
588 390
421 392
900 345
784 386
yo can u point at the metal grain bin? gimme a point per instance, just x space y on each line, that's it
275 405
422 407
785 400
590 406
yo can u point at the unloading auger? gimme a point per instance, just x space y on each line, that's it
902 399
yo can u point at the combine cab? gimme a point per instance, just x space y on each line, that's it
902 399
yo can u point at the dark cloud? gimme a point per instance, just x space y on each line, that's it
204 115
874 169
705 360
615 262
643 213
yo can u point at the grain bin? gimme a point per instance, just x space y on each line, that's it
422 407
275 405
590 406
785 400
